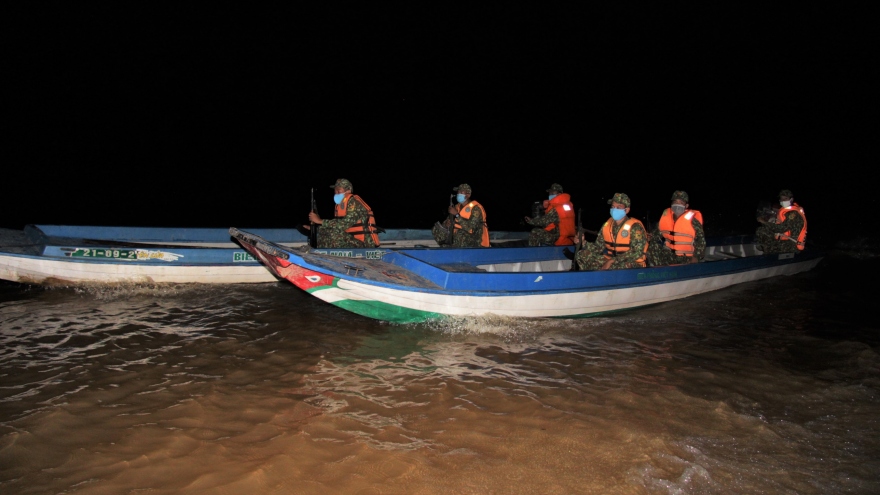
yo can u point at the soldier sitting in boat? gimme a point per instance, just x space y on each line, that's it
788 234
679 237
622 241
555 227
353 225
466 224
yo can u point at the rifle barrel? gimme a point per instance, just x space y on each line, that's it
313 227
451 231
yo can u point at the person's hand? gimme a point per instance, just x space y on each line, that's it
314 218
693 259
607 264
307 227
649 236
528 219
761 220
452 210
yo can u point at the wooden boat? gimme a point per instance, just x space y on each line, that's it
69 254
418 284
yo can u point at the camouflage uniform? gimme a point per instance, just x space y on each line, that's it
332 233
471 232
661 255
592 256
765 235
538 236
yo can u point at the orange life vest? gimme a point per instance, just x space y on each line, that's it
679 233
562 204
801 238
359 229
620 245
465 213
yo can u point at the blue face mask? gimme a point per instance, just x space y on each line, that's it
617 214
460 198
337 198
551 196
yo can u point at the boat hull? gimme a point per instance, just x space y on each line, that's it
69 255
418 285
48 271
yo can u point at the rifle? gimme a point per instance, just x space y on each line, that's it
451 230
313 227
577 245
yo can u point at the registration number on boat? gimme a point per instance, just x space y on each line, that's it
121 254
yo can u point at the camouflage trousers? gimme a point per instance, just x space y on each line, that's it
591 259
660 255
440 233
541 237
333 238
459 239
767 242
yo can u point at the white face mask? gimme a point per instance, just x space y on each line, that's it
678 209
785 204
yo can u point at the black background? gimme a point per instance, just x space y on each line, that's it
218 115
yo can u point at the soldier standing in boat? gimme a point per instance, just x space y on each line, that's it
467 219
789 233
353 225
679 237
556 226
622 241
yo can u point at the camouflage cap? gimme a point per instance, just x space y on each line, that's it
680 195
555 188
464 188
785 193
620 198
343 183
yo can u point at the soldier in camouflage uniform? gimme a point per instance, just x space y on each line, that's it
794 222
469 216
598 256
659 253
540 235
334 233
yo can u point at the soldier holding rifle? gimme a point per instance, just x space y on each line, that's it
788 233
467 222
353 225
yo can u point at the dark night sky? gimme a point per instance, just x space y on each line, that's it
220 115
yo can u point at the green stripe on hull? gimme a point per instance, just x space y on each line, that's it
387 312
379 310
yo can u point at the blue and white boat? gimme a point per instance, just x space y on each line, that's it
74 254
419 284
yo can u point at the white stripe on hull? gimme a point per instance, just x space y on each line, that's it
34 270
550 305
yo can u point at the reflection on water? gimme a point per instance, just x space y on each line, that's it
768 387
